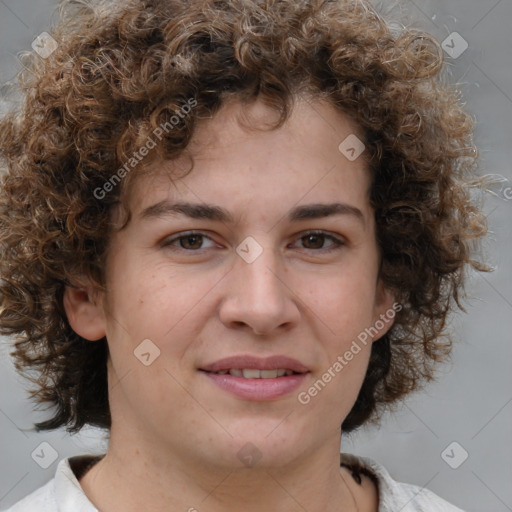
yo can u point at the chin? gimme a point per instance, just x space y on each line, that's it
266 443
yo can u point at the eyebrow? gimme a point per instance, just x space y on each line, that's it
216 213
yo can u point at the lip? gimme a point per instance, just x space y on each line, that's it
252 362
256 389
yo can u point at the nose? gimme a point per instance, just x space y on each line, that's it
258 297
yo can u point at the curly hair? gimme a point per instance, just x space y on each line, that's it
124 69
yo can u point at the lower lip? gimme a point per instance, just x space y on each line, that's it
257 389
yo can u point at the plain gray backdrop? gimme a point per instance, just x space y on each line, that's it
468 411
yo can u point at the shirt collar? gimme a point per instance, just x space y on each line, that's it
68 491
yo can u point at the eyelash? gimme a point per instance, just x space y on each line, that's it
337 242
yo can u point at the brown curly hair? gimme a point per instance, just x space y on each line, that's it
121 69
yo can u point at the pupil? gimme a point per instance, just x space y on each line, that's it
317 237
192 238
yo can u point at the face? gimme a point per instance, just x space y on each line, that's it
262 276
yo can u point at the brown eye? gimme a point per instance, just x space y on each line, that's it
191 241
315 240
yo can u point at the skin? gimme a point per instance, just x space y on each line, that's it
175 435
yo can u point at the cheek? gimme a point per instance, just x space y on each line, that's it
343 306
343 301
157 303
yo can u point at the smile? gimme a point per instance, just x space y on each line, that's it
251 373
251 377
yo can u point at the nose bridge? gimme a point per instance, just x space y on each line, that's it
258 273
260 277
256 295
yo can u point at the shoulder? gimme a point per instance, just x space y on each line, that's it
393 495
63 492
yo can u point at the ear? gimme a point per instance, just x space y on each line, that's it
385 310
85 312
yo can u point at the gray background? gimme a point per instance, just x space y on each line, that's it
471 404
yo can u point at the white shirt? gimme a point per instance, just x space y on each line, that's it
63 493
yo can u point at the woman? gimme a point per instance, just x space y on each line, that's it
166 191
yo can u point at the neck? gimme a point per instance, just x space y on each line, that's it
130 478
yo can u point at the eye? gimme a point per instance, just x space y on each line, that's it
193 241
316 239
190 241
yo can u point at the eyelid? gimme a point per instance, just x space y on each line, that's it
183 234
337 240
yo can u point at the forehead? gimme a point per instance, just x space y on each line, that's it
239 162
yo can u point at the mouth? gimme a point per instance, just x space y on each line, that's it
254 378
253 373
253 367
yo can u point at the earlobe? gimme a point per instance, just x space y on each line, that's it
84 312
386 308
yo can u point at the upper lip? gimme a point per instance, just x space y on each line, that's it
257 363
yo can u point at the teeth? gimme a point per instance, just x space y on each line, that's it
251 373
268 374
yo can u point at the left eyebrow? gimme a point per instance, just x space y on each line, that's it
318 211
217 213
